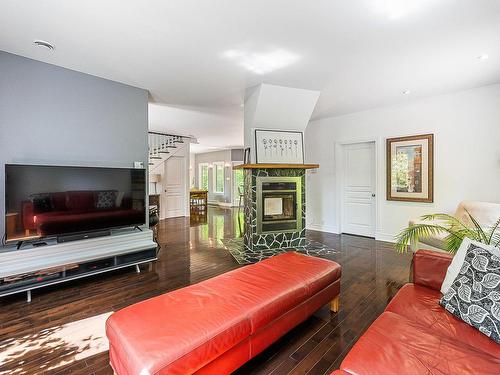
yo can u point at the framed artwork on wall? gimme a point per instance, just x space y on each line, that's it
279 147
410 175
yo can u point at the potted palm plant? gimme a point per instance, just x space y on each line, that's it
455 230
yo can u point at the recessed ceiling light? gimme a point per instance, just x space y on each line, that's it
484 56
44 44
406 92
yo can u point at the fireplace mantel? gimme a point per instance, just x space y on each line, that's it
276 166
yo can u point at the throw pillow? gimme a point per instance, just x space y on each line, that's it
105 199
457 262
474 295
41 203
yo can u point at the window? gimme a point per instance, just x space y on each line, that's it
218 177
203 176
238 181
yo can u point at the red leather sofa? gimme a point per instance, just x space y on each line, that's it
416 336
215 326
75 211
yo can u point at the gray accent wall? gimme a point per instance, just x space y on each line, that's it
53 115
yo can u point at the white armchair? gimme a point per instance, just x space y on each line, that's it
485 213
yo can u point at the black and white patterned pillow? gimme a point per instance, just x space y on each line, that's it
105 199
474 296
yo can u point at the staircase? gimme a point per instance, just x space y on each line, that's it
162 146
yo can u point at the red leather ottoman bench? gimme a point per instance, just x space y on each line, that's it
215 326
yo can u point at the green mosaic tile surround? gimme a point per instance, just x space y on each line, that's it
257 242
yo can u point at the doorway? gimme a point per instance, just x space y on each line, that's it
358 187
174 188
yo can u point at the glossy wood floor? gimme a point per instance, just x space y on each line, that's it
61 330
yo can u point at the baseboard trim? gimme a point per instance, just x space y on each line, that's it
386 237
323 228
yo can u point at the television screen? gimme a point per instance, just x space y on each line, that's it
45 201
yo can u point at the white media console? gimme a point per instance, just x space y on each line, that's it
35 267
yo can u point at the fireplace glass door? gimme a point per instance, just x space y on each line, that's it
278 204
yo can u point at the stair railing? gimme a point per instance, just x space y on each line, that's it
161 143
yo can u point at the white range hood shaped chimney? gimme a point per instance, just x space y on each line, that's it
276 108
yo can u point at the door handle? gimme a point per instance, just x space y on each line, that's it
373 195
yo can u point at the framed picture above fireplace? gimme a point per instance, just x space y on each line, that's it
410 168
279 147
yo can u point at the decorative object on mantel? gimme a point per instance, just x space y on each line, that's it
456 231
410 168
272 146
246 155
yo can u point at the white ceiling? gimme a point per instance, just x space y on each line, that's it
204 54
214 130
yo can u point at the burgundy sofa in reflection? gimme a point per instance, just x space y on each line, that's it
77 211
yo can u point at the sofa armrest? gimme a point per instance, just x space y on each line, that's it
429 268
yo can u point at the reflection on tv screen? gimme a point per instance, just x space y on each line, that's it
43 201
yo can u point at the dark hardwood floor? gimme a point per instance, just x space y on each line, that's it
61 330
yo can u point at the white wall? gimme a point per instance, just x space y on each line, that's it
214 129
466 127
276 108
52 115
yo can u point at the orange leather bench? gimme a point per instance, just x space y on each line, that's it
215 326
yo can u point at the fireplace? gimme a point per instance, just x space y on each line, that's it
279 204
275 206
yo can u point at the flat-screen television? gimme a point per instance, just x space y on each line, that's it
53 201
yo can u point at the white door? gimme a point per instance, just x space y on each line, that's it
174 188
358 195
